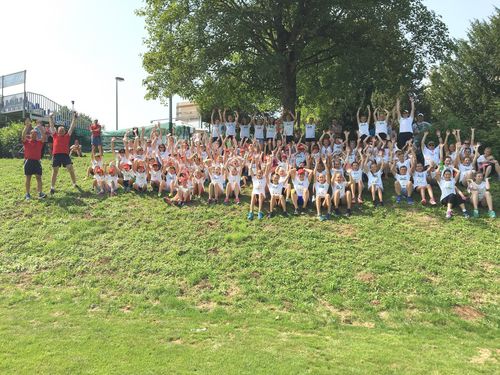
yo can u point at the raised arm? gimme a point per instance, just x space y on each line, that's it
73 123
357 115
398 107
412 101
369 113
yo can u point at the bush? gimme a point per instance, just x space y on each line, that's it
10 136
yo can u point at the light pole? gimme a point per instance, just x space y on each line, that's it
117 79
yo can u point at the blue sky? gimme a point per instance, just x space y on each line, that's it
73 49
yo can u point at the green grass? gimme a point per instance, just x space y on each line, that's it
130 285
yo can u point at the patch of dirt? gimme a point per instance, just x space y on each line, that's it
375 302
104 260
175 341
467 313
483 356
489 267
204 284
432 279
346 230
384 315
363 324
206 305
57 314
213 251
344 315
366 277
481 298
232 291
412 312
255 274
126 309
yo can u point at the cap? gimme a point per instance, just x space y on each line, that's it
125 166
301 171
406 111
420 114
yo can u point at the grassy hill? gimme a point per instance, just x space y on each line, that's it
130 285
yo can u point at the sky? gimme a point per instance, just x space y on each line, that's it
74 49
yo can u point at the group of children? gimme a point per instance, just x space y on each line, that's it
284 169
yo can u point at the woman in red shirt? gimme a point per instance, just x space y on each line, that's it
60 151
32 155
95 139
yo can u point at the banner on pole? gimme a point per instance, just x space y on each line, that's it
13 79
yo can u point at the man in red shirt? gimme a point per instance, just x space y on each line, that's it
60 151
33 145
95 139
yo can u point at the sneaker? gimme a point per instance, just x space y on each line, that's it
27 197
492 214
424 202
448 214
348 213
260 215
465 214
270 215
337 212
321 218
433 202
313 198
237 200
159 195
209 200
285 214
42 195
381 203
296 212
226 201
250 216
327 216
398 199
375 203
475 213
409 200
52 191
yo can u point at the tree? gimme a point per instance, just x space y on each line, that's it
467 85
264 51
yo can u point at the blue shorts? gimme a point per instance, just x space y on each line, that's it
300 201
96 141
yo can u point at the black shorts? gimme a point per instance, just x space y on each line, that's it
403 138
61 160
382 136
454 199
289 139
311 139
32 167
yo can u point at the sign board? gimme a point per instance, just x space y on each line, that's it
13 79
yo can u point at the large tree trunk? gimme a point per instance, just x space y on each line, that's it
289 86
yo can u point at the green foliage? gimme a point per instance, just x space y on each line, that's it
10 136
467 86
252 54
130 285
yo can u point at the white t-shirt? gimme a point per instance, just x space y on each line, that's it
406 125
259 131
300 185
380 127
364 128
431 155
375 178
356 175
245 131
155 175
259 186
276 189
339 187
270 131
230 129
216 130
288 128
141 178
420 179
321 189
403 179
447 188
310 131
481 189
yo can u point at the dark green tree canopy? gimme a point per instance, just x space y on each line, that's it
263 54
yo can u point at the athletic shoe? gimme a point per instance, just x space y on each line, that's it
398 199
381 203
465 214
433 202
42 195
448 214
52 191
321 218
226 201
296 212
237 200
159 195
492 214
409 200
250 216
424 202
327 216
270 215
337 212
260 215
285 214
475 213
375 203
348 213
27 197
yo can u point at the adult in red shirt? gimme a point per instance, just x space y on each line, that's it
60 151
95 139
33 145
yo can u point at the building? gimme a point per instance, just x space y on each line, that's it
188 113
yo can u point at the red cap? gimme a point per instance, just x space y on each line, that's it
301 171
125 166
